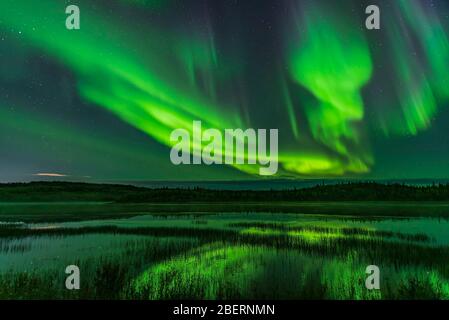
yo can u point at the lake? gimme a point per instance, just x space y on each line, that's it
230 255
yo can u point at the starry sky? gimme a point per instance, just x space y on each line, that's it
99 103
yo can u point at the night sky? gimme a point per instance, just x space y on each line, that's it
99 103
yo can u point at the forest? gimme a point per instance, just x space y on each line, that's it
344 191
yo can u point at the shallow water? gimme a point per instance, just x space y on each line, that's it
231 255
437 229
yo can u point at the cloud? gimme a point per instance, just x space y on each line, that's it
46 174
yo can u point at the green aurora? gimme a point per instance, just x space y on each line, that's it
102 101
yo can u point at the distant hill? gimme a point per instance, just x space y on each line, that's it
70 191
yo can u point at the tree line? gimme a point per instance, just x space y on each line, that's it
350 191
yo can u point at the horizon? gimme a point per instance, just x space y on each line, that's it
247 185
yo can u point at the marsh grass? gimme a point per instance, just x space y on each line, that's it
232 260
